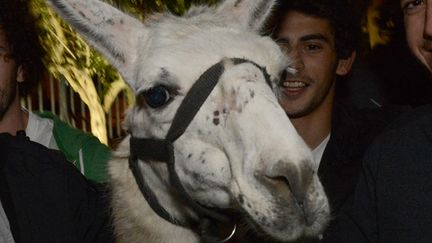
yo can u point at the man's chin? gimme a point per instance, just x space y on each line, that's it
298 113
425 59
295 111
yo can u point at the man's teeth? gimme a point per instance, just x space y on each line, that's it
294 84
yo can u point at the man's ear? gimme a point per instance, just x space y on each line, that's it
20 74
344 65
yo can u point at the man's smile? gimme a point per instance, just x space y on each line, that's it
294 87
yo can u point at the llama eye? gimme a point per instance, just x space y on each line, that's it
157 96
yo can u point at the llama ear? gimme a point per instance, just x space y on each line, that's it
252 14
113 33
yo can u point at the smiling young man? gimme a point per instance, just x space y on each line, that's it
321 37
308 96
393 199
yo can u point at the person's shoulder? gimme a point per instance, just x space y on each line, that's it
415 120
367 122
384 114
409 132
84 149
405 141
70 138
21 153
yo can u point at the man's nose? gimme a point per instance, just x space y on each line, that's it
298 63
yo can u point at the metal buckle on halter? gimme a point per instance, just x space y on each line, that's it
229 236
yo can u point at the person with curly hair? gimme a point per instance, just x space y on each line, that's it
21 60
21 68
43 197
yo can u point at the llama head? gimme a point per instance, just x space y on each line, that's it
240 151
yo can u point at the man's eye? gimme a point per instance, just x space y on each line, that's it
284 45
412 6
312 47
157 96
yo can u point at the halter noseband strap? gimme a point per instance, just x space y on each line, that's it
163 150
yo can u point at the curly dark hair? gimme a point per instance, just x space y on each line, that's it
343 17
18 25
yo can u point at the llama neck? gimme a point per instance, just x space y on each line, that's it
133 218
160 230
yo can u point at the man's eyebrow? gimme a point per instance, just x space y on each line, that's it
304 38
281 40
314 37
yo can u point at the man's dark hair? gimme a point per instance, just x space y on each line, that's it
18 25
341 14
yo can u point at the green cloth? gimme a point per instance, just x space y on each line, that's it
86 152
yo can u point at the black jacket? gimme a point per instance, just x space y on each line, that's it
393 199
353 130
45 197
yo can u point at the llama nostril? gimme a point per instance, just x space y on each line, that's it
296 176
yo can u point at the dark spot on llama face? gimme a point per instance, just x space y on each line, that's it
203 161
189 156
164 74
110 22
198 177
241 199
252 93
216 119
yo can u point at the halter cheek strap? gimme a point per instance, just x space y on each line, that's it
152 149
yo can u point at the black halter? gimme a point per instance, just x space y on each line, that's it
162 150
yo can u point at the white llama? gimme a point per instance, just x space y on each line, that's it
229 147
